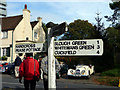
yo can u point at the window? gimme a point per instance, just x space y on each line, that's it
27 38
5 34
35 35
6 52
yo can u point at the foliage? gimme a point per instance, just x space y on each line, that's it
113 36
79 29
113 33
100 31
112 81
115 5
114 72
44 28
105 61
114 17
4 57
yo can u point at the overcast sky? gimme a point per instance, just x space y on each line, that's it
59 12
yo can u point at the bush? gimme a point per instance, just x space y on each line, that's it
106 80
114 82
113 73
4 57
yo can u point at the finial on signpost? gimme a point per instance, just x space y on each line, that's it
25 6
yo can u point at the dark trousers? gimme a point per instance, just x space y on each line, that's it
45 81
29 83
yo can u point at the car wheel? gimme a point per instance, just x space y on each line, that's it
69 77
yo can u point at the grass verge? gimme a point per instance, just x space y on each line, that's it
110 77
114 73
105 80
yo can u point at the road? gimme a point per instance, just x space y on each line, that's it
11 83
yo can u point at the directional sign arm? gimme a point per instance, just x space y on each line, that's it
59 29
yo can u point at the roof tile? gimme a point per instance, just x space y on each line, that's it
10 23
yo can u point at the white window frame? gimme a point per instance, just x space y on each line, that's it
4 51
4 34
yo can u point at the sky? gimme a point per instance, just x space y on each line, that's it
62 11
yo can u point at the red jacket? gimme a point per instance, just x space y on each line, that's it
26 69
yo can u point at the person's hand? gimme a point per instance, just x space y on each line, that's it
20 80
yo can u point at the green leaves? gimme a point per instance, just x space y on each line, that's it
79 29
113 36
114 5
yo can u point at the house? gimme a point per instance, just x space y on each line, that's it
17 30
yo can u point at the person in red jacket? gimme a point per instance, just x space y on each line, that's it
28 68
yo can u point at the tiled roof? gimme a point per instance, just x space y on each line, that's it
33 23
10 23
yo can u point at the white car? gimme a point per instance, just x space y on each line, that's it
81 71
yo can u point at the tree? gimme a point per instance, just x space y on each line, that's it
79 29
115 17
112 35
113 42
100 31
44 27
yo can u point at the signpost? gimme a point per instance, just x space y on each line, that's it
29 47
54 31
59 29
91 47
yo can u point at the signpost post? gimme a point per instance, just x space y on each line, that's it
54 31
51 62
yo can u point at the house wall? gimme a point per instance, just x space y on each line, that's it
41 34
22 31
6 42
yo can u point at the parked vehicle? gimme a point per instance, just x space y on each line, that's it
2 69
81 71
9 68
64 69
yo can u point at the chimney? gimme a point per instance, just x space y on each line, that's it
26 13
40 20
26 22
25 6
